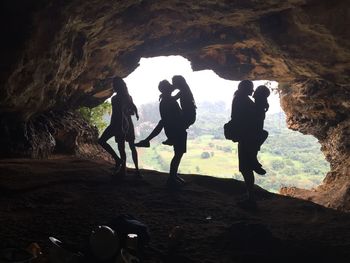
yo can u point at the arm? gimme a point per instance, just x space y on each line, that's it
232 109
267 107
114 107
134 109
177 95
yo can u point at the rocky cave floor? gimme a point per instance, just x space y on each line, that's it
66 197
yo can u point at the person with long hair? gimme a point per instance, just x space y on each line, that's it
260 96
121 127
187 102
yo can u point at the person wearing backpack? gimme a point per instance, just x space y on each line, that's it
172 121
244 117
188 105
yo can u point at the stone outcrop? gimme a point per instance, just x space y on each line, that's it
59 132
60 55
321 108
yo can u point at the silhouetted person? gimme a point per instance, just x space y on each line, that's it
188 105
174 128
244 114
260 96
121 126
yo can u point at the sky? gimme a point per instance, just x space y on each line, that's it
205 84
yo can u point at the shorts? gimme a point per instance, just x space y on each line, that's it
246 156
180 143
119 136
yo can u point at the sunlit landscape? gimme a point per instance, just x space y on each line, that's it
290 158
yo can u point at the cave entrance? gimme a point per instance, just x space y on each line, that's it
290 158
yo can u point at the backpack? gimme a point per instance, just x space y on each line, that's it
231 131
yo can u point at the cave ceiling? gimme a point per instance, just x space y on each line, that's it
69 50
59 55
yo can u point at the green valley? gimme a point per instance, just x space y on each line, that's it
290 158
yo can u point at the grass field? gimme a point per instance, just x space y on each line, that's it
216 157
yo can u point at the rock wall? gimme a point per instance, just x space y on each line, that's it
322 109
59 132
60 55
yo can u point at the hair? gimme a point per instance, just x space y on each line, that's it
165 88
120 87
243 86
260 97
262 91
180 82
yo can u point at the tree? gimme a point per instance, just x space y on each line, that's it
205 155
277 164
98 116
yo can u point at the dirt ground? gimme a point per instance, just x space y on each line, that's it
66 198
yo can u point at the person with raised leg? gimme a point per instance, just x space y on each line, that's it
175 130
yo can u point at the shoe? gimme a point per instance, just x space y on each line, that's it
247 204
168 142
122 171
180 179
139 175
173 184
259 170
143 143
120 174
257 163
118 165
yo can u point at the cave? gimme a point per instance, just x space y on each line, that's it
292 159
58 56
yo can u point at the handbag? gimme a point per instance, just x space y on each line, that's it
231 131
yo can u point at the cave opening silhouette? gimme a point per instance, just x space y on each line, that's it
291 158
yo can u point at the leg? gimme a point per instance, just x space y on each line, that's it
106 135
134 156
262 138
154 133
173 181
174 165
257 165
180 147
249 183
246 160
121 148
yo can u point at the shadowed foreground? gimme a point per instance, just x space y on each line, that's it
67 197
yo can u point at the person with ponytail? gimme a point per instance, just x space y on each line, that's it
121 127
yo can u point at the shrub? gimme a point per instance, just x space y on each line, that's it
205 155
97 116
